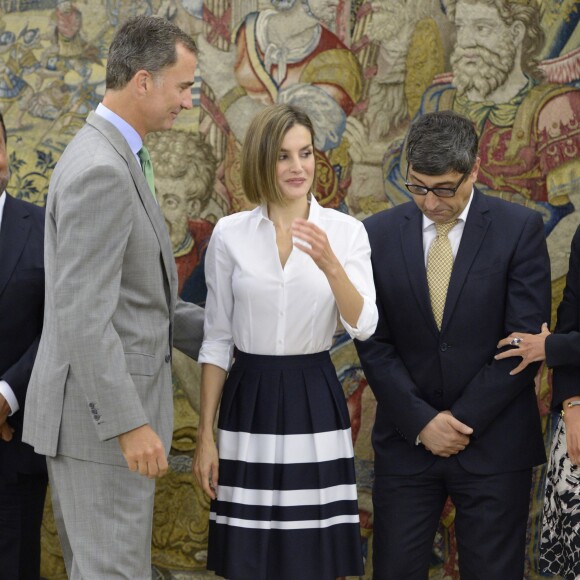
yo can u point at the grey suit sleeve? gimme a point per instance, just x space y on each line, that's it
188 328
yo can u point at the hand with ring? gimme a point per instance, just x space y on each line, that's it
531 347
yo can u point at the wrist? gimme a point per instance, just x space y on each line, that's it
571 405
334 271
5 408
205 435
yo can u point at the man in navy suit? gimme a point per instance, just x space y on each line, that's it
23 478
455 271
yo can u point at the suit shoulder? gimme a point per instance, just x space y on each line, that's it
34 210
389 217
510 210
90 147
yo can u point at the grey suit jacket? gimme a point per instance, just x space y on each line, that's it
111 307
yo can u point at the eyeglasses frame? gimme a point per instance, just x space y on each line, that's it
433 190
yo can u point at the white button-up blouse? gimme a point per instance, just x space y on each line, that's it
262 308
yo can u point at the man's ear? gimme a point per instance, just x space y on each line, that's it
475 170
142 81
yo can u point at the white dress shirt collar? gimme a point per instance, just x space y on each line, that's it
129 133
462 216
455 235
313 213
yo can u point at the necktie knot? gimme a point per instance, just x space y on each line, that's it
444 229
147 167
144 155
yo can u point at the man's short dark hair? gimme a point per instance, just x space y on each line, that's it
441 142
144 43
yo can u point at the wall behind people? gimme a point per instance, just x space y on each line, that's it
363 70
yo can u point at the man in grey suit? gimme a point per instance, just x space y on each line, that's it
100 396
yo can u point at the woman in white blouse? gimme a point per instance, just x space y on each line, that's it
278 278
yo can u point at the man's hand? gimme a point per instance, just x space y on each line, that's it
4 410
6 432
531 347
144 452
445 435
572 422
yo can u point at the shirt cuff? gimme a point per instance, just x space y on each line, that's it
216 353
10 397
366 323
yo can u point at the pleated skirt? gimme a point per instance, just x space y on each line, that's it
286 505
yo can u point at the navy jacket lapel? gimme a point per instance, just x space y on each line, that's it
14 232
414 256
474 232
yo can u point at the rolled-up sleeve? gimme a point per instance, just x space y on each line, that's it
359 269
218 344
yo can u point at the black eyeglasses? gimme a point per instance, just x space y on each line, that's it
438 191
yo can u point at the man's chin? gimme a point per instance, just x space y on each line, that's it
438 217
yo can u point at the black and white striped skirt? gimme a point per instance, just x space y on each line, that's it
287 501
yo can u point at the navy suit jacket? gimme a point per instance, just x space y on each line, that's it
21 314
500 283
563 347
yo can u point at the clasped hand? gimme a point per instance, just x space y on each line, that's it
445 435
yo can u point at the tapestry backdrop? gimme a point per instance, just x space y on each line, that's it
362 70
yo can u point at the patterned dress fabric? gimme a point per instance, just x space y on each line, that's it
560 542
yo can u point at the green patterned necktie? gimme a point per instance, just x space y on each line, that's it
439 266
147 168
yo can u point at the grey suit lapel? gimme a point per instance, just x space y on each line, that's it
14 232
474 232
412 243
151 207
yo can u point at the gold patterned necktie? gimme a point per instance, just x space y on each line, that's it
439 266
147 168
